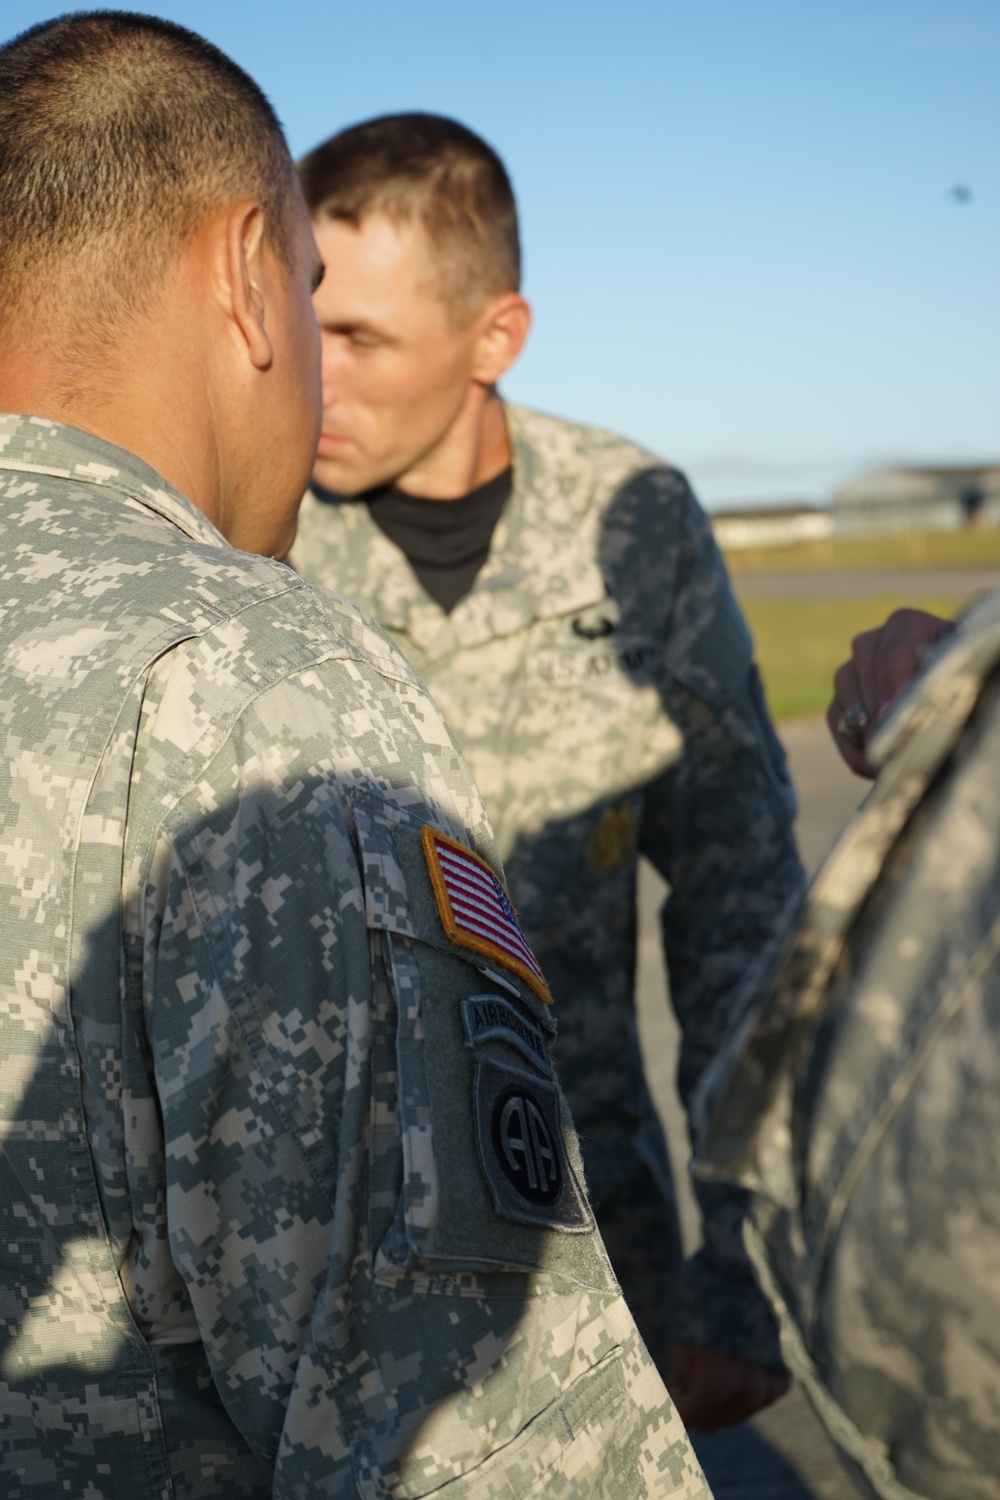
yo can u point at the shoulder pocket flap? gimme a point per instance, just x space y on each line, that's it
490 1175
398 893
388 905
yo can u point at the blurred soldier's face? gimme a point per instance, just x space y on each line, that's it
396 369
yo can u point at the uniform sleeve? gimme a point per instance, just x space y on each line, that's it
385 1306
718 826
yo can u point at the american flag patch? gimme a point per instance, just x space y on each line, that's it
474 909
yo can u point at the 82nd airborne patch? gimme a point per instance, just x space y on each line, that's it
522 1151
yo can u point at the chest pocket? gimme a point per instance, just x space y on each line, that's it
589 721
591 652
474 1162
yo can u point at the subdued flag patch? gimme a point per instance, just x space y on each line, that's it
475 911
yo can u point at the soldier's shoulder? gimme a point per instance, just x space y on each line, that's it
296 683
311 622
591 477
262 625
336 626
561 443
273 603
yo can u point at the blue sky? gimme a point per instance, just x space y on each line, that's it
740 239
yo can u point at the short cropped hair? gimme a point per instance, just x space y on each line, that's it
119 133
433 170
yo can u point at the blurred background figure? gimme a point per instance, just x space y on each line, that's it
559 591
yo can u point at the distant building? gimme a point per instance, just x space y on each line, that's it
770 525
911 497
918 498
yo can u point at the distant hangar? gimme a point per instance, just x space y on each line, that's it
918 498
900 498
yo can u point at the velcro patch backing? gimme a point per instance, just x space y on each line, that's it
475 911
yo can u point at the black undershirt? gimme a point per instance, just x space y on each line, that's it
445 542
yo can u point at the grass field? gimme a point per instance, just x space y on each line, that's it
941 549
801 642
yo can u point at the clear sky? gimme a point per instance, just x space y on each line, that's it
742 239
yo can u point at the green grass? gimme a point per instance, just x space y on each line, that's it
801 642
949 549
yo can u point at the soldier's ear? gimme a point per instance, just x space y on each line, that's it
243 280
504 325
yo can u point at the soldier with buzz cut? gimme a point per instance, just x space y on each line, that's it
559 591
290 1201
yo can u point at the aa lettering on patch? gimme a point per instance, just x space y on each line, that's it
521 1149
475 911
491 1018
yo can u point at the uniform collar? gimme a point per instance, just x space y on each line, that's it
36 445
542 559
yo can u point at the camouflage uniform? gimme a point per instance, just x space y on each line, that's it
599 678
862 1101
257 1237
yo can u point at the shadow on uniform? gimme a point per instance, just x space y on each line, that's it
61 1278
66 1268
589 860
616 1117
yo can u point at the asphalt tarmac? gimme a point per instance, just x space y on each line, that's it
961 583
784 1453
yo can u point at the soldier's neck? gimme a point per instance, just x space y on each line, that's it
146 395
474 450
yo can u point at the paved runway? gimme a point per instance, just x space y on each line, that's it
958 583
784 1453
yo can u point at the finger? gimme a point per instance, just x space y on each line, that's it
908 635
865 657
857 761
846 687
848 752
846 697
713 1389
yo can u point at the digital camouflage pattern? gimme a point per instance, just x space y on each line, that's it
249 1245
599 677
862 1101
